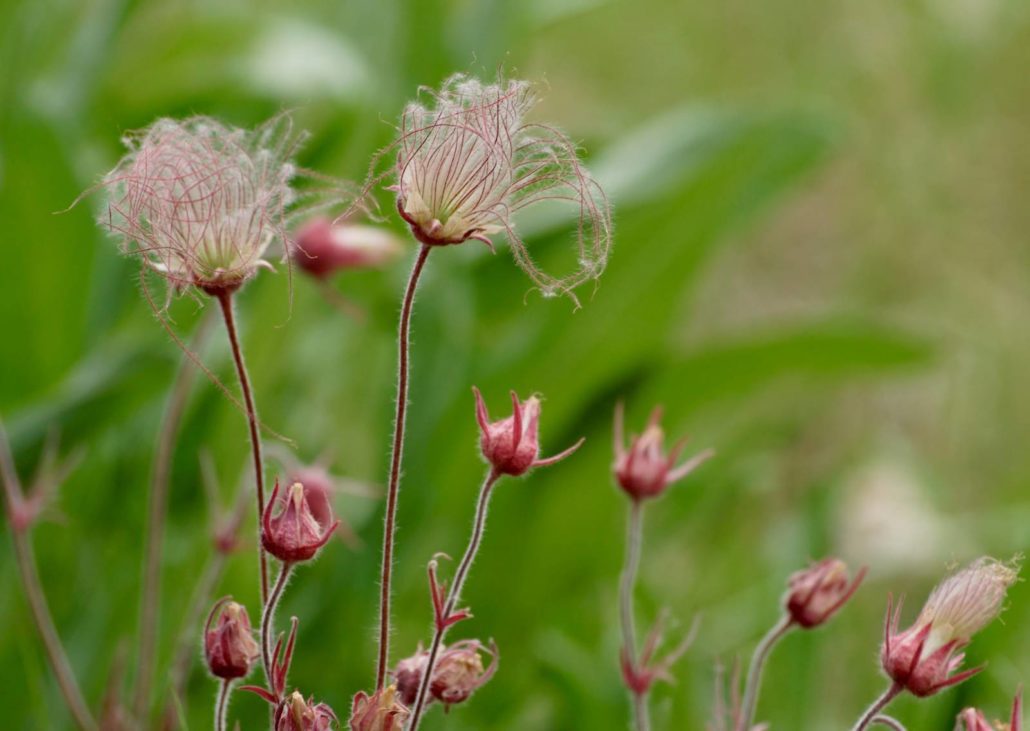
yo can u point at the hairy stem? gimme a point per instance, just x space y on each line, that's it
225 301
454 594
154 535
878 705
268 618
29 573
754 673
390 520
222 705
888 721
627 584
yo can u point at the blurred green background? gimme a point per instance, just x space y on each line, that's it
821 269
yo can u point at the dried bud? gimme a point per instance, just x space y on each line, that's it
229 647
511 445
199 201
816 593
645 470
297 715
324 247
408 675
467 162
971 719
303 525
924 658
378 712
459 671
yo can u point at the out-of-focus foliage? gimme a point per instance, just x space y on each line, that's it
820 269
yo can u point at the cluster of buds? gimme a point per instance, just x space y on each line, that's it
644 469
229 646
511 445
459 672
925 658
972 719
303 524
381 711
296 714
323 248
816 593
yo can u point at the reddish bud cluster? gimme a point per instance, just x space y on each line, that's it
457 674
229 647
644 470
381 711
303 524
816 593
296 714
972 719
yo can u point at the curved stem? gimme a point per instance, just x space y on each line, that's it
889 721
878 705
390 520
754 672
29 573
225 301
154 535
455 593
268 616
627 585
222 705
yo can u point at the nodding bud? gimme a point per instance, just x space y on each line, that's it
323 248
816 593
511 445
304 523
645 470
407 676
296 714
924 658
229 646
971 719
459 671
381 711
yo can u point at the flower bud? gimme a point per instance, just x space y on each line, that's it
816 593
378 712
323 247
645 470
303 525
971 719
408 676
229 647
298 715
459 671
924 658
511 445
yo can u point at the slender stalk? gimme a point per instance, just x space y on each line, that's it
154 535
754 672
29 573
268 617
878 705
454 594
222 705
888 721
390 520
627 584
225 301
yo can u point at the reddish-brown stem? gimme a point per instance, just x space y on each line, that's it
154 535
225 301
222 705
386 571
33 587
268 616
754 672
878 705
627 584
454 594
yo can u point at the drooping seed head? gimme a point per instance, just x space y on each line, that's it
468 162
295 527
512 445
816 593
199 201
925 657
459 671
296 714
381 711
229 646
323 247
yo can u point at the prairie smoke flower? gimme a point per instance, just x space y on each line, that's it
971 719
229 646
200 202
296 714
459 671
645 470
816 593
924 658
303 524
467 162
323 247
381 711
511 445
408 675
